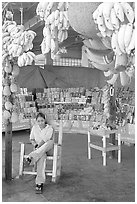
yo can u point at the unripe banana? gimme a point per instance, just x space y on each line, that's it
114 20
19 51
131 45
4 57
10 27
108 24
61 17
49 6
100 9
124 78
46 31
103 32
128 34
107 42
60 26
61 6
109 33
121 34
115 44
121 60
128 10
65 23
108 73
101 25
107 6
65 13
95 15
119 11
56 14
5 34
57 22
102 67
113 79
60 33
6 39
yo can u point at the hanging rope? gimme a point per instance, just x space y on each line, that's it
21 16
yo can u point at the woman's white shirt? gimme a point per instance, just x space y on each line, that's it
39 135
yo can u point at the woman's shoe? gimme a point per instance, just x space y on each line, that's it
39 188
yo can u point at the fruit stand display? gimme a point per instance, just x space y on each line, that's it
110 48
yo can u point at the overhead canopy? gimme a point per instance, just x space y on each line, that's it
59 76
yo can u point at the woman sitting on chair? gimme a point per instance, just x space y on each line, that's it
41 137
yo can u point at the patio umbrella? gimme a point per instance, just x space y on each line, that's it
30 77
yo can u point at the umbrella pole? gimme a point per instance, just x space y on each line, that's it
48 60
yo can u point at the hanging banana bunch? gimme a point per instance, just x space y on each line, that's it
10 88
116 23
110 16
56 25
16 42
111 19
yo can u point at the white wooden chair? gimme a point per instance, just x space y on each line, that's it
56 158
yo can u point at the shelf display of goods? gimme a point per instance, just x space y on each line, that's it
27 105
90 106
55 16
16 43
125 99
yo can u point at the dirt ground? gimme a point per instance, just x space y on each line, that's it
81 180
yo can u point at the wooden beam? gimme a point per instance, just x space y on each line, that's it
33 23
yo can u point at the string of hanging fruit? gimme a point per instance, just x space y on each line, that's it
16 43
116 23
55 16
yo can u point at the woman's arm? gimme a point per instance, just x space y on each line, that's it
32 137
41 143
46 136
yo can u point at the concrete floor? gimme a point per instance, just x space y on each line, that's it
82 180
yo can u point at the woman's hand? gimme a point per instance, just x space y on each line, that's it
36 146
33 142
41 143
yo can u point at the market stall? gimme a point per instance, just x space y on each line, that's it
89 96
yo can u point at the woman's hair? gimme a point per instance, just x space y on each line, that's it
42 116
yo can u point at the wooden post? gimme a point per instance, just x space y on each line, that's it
112 136
8 150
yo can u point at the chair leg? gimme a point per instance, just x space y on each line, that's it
59 161
119 150
104 151
54 173
22 152
89 148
